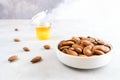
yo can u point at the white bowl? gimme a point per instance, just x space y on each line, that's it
85 62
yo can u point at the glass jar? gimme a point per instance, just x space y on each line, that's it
43 31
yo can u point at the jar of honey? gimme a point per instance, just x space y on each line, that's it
43 31
42 27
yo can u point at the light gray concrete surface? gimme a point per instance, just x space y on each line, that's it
50 68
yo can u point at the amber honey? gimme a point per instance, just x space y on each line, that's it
43 32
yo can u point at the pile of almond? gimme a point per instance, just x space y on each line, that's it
84 46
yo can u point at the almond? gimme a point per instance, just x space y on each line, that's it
103 48
64 47
87 51
86 42
47 46
36 59
67 43
98 52
71 48
78 50
16 40
26 49
72 53
77 46
75 39
12 58
16 29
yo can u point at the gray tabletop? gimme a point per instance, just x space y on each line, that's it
50 68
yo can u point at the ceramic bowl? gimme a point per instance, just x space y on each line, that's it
85 62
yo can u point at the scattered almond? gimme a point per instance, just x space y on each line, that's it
47 46
36 59
12 58
26 49
16 29
16 40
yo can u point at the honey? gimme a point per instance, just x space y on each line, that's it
43 32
